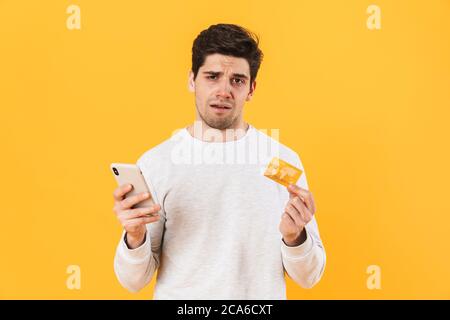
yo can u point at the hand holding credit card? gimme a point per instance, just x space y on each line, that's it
300 208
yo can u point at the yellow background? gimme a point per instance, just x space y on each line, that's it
367 110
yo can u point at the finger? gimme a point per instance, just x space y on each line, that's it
304 194
141 221
287 218
121 191
295 215
301 207
287 225
141 212
127 203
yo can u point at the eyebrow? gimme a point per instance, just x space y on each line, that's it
236 75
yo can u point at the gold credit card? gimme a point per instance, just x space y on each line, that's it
282 172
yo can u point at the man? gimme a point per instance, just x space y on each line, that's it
222 229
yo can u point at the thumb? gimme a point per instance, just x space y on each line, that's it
293 190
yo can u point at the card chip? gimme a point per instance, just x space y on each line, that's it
282 172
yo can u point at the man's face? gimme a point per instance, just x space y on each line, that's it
221 88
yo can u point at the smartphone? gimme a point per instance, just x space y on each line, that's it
125 173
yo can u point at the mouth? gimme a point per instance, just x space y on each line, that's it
220 108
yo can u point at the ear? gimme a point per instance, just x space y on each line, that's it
252 90
191 82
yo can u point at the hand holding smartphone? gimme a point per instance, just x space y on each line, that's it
125 173
133 205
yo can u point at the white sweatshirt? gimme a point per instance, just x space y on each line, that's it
218 235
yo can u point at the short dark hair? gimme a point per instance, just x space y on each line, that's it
230 40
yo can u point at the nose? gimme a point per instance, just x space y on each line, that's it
224 89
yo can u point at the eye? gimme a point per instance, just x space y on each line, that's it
238 81
212 77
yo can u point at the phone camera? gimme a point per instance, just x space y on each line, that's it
116 172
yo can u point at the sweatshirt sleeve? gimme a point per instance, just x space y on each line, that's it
305 264
134 268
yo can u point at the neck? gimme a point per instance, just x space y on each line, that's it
200 130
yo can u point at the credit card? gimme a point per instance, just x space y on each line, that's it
282 172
